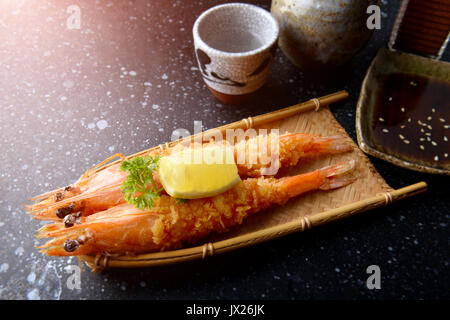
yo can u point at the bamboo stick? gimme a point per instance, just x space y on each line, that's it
307 222
313 104
286 112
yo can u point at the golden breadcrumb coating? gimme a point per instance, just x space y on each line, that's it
195 219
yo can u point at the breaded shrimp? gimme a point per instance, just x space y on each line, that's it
98 191
125 230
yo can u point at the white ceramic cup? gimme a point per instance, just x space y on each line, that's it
235 45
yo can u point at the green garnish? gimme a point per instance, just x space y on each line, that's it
179 200
140 188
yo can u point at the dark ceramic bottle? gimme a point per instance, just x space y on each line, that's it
321 33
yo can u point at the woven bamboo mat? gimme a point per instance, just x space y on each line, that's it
369 191
368 184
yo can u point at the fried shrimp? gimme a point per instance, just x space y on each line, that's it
99 190
125 230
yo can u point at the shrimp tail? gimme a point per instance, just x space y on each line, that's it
339 175
332 144
328 178
295 146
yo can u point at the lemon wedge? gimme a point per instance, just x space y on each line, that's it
198 172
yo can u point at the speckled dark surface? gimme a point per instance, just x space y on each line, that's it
122 83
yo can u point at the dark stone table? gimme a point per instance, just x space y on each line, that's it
123 82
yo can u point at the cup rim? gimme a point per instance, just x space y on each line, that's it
215 51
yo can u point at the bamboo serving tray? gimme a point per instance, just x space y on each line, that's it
368 192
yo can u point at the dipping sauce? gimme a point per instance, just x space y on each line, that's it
411 119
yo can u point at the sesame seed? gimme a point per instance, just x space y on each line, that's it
434 143
429 118
445 138
390 99
447 126
385 130
433 110
419 122
428 139
441 119
406 141
422 147
428 134
413 83
409 119
446 155
402 126
421 130
422 139
429 127
381 119
436 158
403 109
401 136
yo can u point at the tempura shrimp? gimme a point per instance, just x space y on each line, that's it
125 230
99 190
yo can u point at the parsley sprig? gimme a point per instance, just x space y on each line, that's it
140 188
